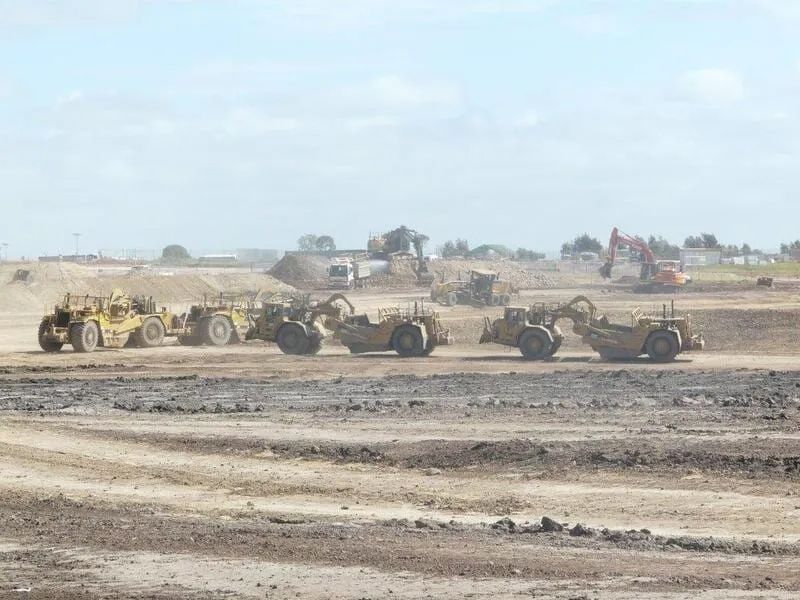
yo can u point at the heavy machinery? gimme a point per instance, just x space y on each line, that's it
398 241
655 275
223 320
297 325
411 333
535 331
482 288
348 272
113 321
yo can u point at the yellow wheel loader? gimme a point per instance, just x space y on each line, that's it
87 322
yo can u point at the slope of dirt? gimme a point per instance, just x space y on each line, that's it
302 270
523 275
48 282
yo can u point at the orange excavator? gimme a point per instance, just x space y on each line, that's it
656 275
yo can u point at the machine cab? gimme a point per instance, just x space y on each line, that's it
516 316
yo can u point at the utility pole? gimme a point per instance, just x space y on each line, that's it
77 245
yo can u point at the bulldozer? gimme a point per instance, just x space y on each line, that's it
297 326
535 332
410 333
483 288
86 322
214 323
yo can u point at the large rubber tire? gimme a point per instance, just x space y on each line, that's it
292 339
495 300
150 334
216 331
315 346
535 345
505 300
84 337
451 299
662 346
44 343
407 341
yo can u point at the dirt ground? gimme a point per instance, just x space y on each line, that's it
239 472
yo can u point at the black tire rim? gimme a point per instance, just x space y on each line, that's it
406 341
535 344
152 332
662 346
218 329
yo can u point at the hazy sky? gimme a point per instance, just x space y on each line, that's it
246 123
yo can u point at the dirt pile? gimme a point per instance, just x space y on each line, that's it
299 270
524 276
46 284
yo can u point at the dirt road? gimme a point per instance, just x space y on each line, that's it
116 481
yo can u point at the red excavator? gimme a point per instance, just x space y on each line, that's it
656 275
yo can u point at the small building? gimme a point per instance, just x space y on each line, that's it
698 257
218 259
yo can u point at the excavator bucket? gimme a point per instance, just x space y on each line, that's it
605 270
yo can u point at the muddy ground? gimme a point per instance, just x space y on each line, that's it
619 482
239 472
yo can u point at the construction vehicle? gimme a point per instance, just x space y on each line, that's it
482 288
411 333
535 331
86 322
655 275
218 322
348 272
399 241
297 325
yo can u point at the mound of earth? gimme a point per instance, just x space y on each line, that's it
301 270
524 276
47 283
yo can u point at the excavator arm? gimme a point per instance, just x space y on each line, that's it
620 239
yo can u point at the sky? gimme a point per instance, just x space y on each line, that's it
248 123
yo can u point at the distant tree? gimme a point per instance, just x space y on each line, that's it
704 240
525 254
661 248
450 248
325 243
787 248
175 252
746 249
447 249
307 242
582 243
489 250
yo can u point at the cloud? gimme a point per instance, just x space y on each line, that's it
711 86
58 12
362 13
396 94
528 119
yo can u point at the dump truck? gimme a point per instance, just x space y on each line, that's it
297 325
214 322
410 333
86 322
481 289
535 332
348 272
